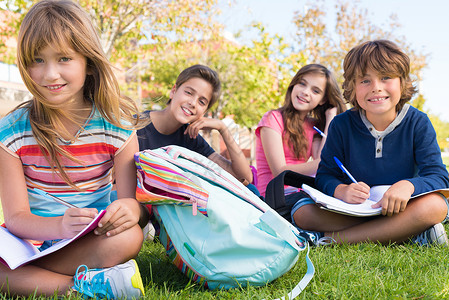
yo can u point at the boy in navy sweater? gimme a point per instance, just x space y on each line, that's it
381 141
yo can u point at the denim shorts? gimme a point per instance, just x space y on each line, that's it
447 204
306 200
300 199
47 244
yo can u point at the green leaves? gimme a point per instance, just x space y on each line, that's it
153 41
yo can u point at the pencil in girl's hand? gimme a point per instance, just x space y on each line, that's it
57 199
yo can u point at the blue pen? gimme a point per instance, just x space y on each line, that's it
319 131
345 170
59 200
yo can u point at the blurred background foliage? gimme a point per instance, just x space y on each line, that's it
151 41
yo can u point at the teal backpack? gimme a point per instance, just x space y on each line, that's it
214 229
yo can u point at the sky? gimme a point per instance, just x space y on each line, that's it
424 24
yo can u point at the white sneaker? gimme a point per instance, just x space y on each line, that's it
149 232
120 281
435 235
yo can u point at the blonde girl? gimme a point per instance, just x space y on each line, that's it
65 142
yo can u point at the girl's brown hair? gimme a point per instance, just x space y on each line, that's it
63 24
382 56
293 129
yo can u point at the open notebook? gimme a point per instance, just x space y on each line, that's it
16 252
361 210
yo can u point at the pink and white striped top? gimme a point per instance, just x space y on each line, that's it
95 147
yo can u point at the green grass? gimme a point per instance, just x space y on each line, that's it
363 271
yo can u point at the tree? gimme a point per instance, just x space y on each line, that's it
120 22
256 74
123 25
250 75
152 41
9 24
165 25
442 130
329 46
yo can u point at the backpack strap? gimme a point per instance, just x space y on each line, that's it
274 195
274 221
304 281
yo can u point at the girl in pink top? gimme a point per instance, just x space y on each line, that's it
285 138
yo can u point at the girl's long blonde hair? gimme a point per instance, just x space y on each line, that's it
293 124
63 24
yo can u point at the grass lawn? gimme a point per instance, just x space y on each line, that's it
363 271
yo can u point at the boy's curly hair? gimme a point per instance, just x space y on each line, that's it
382 56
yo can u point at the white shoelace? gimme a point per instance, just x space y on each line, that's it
324 241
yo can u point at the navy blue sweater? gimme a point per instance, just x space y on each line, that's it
407 149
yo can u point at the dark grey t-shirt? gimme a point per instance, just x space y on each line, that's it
150 138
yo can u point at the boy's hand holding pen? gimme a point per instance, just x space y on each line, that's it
354 193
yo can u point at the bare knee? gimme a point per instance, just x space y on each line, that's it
305 216
120 248
130 241
430 209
